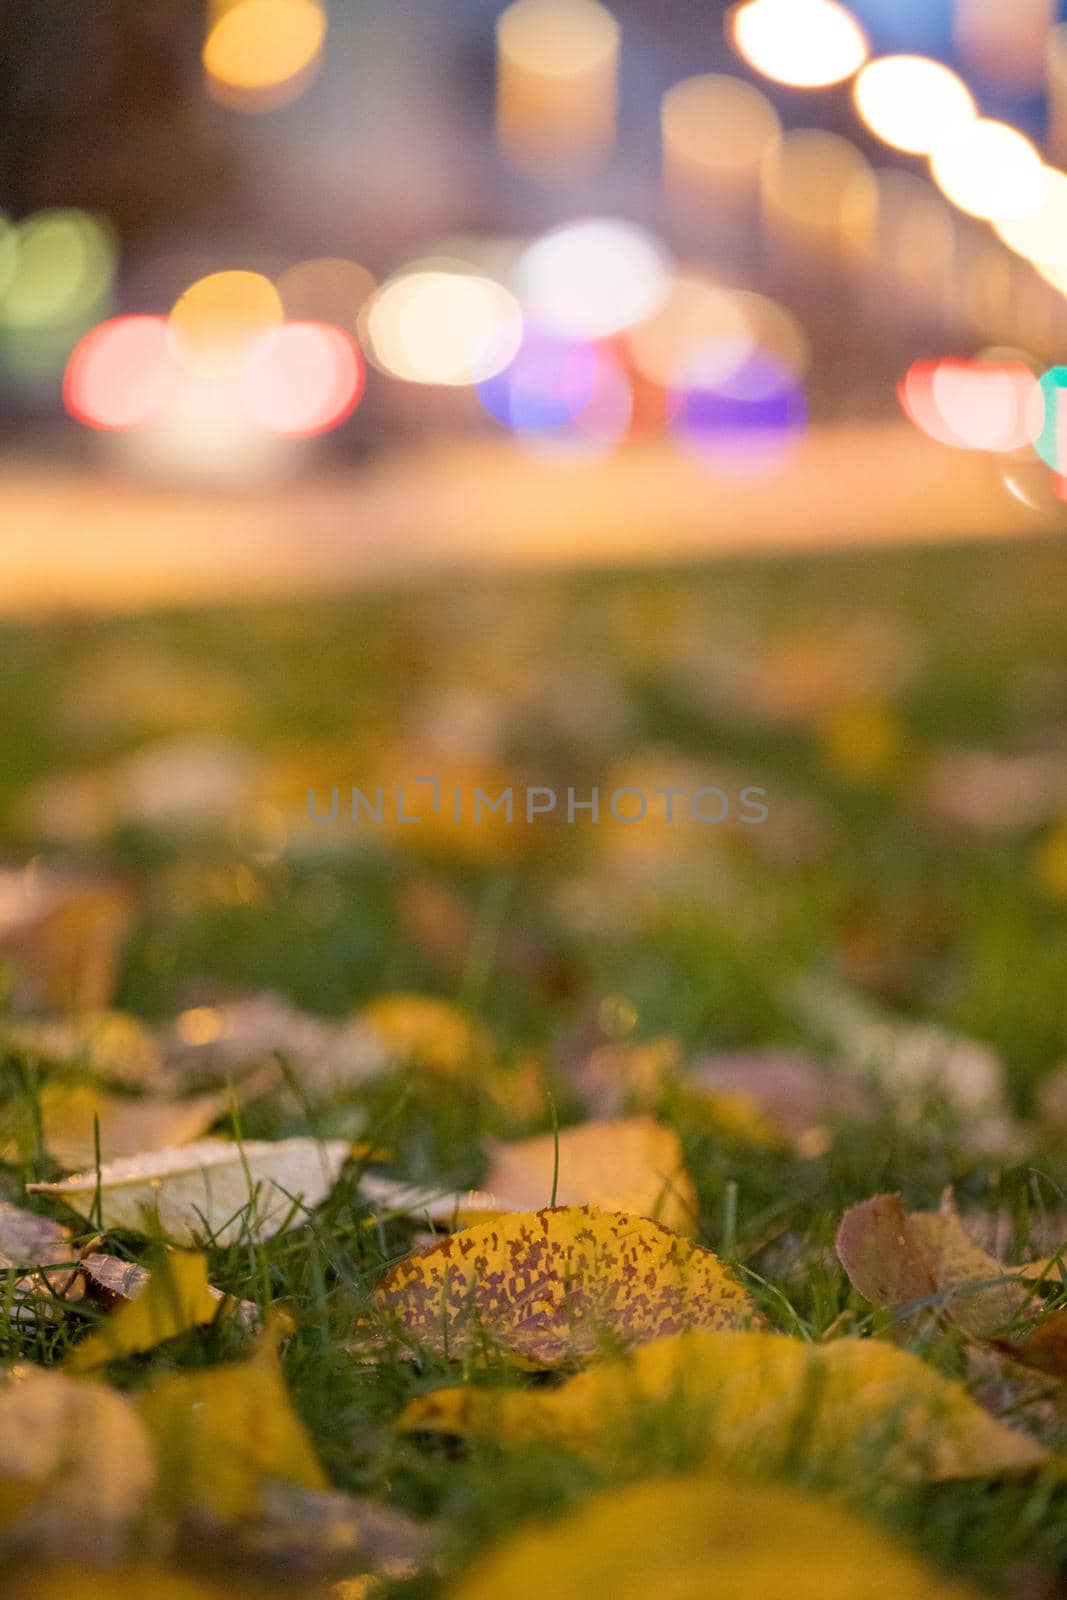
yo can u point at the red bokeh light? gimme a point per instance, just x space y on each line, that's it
302 379
121 375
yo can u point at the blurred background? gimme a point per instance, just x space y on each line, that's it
301 294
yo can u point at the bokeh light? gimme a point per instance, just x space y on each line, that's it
744 424
214 321
912 103
261 54
545 387
819 192
1048 419
985 404
327 289
777 333
697 314
990 171
1041 237
122 374
302 379
557 65
59 267
916 236
804 43
591 279
597 426
441 324
717 132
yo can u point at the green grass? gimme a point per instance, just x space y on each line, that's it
576 675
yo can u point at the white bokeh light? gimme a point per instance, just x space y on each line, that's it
591 279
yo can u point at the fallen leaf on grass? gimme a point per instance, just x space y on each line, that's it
109 1281
418 1030
545 1287
303 1530
208 1044
27 1240
108 1044
175 1297
791 1096
224 1433
688 1539
80 1458
139 1581
895 1257
62 934
209 1189
632 1164
762 1401
71 1113
35 1246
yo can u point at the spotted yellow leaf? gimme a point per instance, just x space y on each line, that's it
544 1287
691 1539
760 1400
212 1189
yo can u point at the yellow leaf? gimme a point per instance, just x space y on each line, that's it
764 1401
70 1114
631 1164
211 1189
107 1044
692 1539
77 1459
225 1432
421 1031
545 1287
176 1297
134 1582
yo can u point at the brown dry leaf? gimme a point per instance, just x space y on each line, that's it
209 1189
547 1287
27 1240
175 1297
210 1043
296 1529
761 1401
72 1112
895 1258
37 1243
225 1433
690 1539
63 935
80 1458
108 1281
